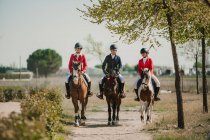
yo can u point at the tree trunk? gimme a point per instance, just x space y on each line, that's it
176 66
205 100
196 67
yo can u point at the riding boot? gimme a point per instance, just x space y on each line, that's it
156 98
67 95
100 96
89 90
137 95
121 87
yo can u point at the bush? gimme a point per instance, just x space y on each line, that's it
12 93
15 127
44 105
15 76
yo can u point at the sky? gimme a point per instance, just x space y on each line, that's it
28 25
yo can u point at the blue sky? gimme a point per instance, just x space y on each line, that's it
28 25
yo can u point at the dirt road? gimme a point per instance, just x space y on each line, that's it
129 128
8 107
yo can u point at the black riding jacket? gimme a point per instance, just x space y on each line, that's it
110 64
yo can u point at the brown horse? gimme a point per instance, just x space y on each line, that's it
78 93
111 91
146 97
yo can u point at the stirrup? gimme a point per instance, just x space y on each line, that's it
67 96
100 96
156 99
137 99
122 95
90 93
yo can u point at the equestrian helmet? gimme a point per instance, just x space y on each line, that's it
78 45
113 47
144 50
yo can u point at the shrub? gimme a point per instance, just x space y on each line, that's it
15 127
44 105
12 93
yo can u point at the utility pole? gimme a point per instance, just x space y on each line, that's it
37 75
20 68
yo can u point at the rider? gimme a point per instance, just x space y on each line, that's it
78 57
146 62
112 62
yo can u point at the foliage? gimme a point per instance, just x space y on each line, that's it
95 48
99 66
15 127
46 60
128 68
12 93
14 76
199 65
44 105
4 69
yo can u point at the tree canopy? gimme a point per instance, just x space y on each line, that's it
46 60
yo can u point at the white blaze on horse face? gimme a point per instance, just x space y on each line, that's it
75 77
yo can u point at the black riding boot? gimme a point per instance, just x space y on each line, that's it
156 98
100 96
89 90
67 95
137 95
121 87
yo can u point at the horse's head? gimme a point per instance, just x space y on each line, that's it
111 80
146 75
76 72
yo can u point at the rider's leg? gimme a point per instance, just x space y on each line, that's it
157 88
137 84
87 78
100 96
121 86
67 85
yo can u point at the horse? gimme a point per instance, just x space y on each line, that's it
79 93
145 92
111 91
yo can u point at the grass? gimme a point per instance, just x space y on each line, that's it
164 127
197 123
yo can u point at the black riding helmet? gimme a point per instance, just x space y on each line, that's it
78 45
144 50
113 47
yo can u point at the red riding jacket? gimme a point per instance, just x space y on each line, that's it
78 58
148 64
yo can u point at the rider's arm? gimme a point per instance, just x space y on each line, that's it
151 66
70 64
84 64
104 66
120 64
139 68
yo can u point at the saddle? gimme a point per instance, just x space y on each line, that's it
83 76
152 80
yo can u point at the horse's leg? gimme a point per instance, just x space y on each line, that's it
76 109
114 106
142 111
109 111
83 102
118 110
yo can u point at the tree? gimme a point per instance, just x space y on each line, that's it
192 50
197 26
143 20
95 48
46 60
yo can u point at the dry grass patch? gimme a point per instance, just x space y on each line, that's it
197 124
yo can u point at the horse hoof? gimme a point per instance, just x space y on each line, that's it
114 123
82 122
109 123
76 124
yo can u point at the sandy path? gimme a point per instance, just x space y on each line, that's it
8 107
96 128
